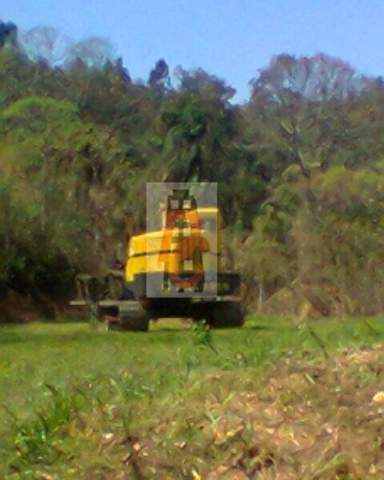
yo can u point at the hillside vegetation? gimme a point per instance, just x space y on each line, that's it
299 168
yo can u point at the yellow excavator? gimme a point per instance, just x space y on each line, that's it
173 272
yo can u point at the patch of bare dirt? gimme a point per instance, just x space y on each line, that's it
310 419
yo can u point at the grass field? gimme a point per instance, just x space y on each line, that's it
185 403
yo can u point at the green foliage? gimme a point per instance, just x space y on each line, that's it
299 167
203 335
38 442
333 238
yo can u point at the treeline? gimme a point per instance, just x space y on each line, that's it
299 167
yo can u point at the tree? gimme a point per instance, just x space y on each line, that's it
159 76
8 33
94 52
320 78
61 157
45 44
193 129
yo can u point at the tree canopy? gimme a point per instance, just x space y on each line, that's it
299 166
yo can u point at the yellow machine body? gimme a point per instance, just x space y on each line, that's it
147 252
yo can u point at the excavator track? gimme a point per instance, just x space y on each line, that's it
225 314
124 315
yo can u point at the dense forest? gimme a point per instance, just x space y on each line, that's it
299 169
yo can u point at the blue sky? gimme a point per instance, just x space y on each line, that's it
229 38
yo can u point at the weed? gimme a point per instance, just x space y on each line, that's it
203 335
38 441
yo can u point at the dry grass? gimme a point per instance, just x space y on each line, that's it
309 419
